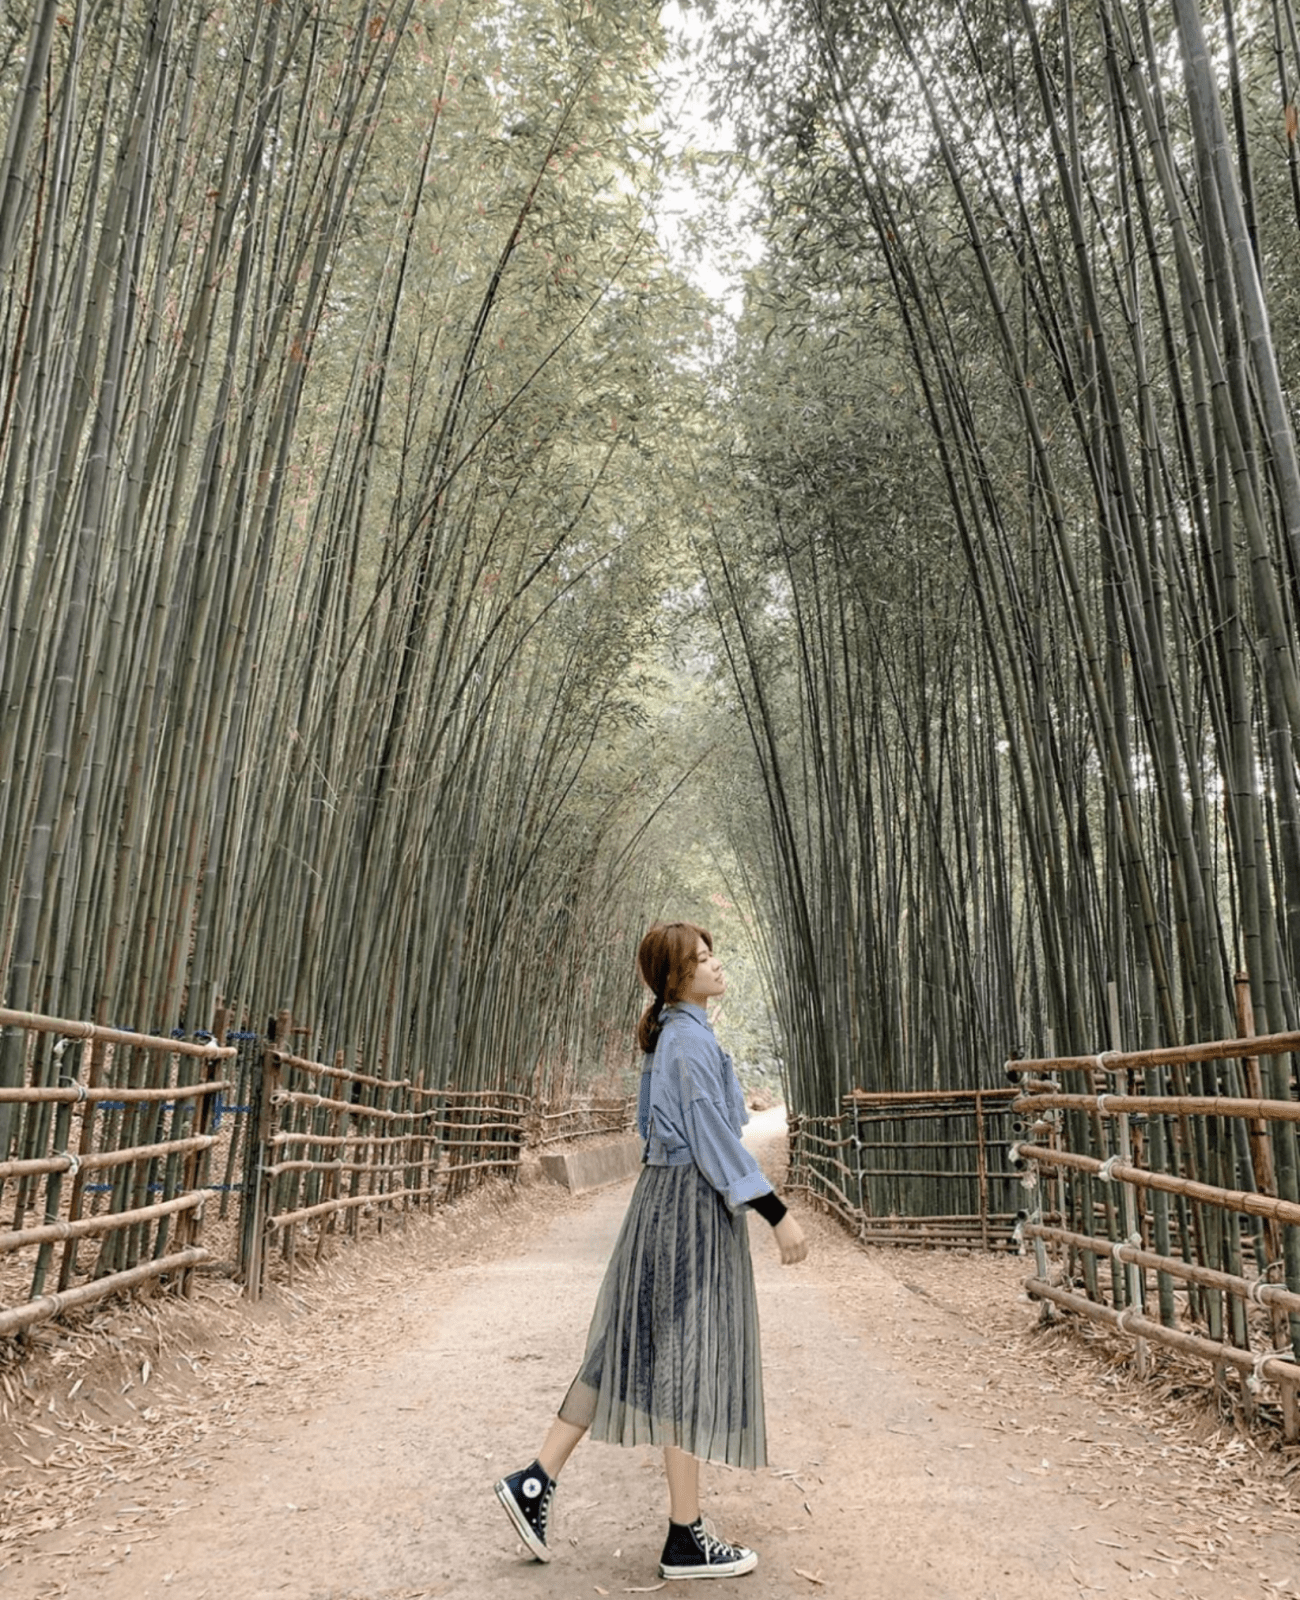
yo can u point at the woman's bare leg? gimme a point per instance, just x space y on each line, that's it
683 1474
561 1442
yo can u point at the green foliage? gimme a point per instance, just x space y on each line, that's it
340 358
985 571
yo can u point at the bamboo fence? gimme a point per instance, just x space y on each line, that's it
258 1145
1171 1177
915 1168
585 1118
333 1144
109 1146
331 1147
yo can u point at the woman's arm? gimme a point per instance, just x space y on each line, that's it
720 1155
699 1071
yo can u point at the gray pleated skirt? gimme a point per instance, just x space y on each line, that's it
673 1353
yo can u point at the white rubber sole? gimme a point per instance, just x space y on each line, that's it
729 1569
520 1522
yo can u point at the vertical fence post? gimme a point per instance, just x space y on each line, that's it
332 1182
859 1162
87 1141
261 1155
1032 1180
1261 1156
982 1168
195 1170
53 1189
1128 1200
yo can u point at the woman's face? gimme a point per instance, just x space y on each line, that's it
707 981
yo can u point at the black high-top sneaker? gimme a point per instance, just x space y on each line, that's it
694 1551
527 1496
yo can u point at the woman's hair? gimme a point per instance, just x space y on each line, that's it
666 961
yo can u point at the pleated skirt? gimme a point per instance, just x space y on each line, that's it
673 1351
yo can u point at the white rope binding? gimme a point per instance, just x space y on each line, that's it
1255 1379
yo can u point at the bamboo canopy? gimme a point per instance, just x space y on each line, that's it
1004 560
389 551
327 468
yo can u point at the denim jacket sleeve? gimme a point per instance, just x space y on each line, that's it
712 1111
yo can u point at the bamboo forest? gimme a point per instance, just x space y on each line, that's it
478 477
408 573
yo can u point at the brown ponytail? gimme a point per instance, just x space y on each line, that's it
666 961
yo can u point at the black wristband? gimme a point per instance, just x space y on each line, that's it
768 1206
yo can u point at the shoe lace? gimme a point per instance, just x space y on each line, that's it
544 1509
714 1547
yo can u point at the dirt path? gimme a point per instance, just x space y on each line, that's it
914 1456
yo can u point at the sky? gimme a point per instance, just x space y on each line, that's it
732 247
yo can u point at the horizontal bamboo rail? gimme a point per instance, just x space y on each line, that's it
53 1305
510 1163
286 1219
835 1190
850 1141
950 1239
1266 1044
497 1096
955 1217
32 1022
919 1172
76 1093
925 1144
322 1069
1110 1105
387 1197
336 1166
376 1140
1265 1364
1244 1201
106 1222
320 1102
927 1099
98 1161
509 1120
835 1201
1256 1289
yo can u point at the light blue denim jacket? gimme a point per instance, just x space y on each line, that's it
691 1107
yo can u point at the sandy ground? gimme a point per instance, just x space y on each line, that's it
340 1444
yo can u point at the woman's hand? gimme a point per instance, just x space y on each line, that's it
790 1240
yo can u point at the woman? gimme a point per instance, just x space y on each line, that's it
672 1353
